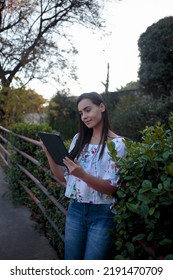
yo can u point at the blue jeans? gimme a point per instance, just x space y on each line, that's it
88 231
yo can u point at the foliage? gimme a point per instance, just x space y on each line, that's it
18 103
156 54
62 114
133 112
144 217
130 86
18 181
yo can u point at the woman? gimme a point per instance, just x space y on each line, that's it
91 183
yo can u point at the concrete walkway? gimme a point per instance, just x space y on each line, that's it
19 240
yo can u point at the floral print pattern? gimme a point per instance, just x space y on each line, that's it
104 168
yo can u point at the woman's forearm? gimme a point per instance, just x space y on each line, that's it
98 184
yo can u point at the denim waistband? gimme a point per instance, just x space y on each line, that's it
93 206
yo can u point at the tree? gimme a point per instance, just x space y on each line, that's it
33 33
130 86
18 103
62 114
156 54
133 112
34 41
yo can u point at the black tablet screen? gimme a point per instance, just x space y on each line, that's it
55 146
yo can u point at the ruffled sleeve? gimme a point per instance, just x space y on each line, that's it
73 142
112 171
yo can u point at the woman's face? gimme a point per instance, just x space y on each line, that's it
91 114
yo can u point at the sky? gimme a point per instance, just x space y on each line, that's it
126 20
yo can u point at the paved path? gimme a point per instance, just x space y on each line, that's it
19 240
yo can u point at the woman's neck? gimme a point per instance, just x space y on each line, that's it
95 140
96 136
111 135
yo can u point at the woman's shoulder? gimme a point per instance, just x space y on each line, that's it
119 144
112 137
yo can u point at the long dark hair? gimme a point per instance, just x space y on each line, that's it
85 133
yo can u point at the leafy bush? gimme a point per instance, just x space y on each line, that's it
144 218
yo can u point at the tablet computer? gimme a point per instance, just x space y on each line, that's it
55 146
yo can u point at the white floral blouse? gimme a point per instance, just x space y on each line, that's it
104 168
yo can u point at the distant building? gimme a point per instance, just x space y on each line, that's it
35 118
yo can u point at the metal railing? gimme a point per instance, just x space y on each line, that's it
6 151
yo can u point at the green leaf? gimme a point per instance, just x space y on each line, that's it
118 218
118 244
151 211
146 197
150 236
157 214
129 177
165 241
138 237
169 257
155 191
166 155
133 207
121 193
133 188
144 209
130 247
114 155
165 201
160 186
146 185
169 169
111 146
167 183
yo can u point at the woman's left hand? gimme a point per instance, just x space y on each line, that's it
73 167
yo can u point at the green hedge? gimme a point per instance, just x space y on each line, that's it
145 199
